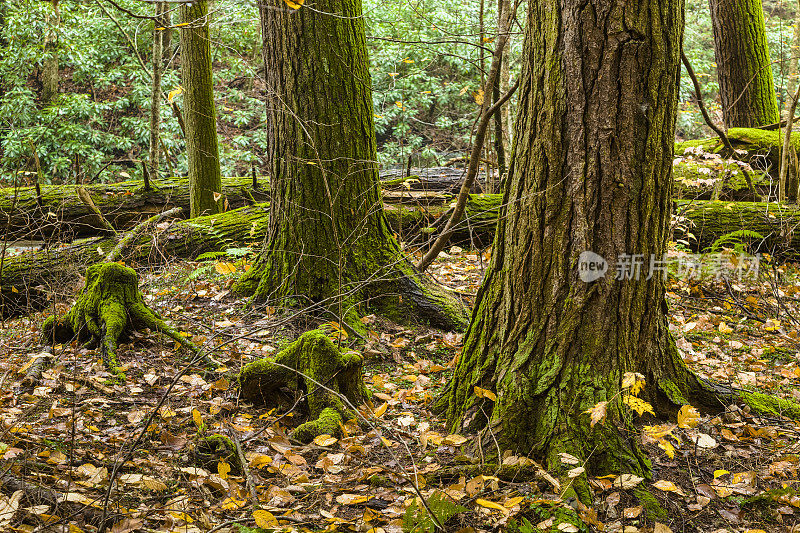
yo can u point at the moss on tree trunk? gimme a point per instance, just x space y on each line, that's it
330 380
744 71
200 113
591 172
330 246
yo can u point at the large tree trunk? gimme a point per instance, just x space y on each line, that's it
591 172
744 71
329 242
199 111
59 213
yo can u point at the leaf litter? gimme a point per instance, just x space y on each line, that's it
61 439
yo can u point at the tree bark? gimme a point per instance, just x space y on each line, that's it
50 62
591 172
744 71
329 242
155 96
200 113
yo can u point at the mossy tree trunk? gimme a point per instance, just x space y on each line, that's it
328 236
199 111
591 172
155 95
744 72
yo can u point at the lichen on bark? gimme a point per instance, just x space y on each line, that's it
329 379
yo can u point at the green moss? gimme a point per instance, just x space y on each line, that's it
314 364
108 307
653 510
672 391
770 405
210 450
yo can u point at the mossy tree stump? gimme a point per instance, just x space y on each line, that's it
109 307
315 366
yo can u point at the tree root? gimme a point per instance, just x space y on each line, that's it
109 307
314 365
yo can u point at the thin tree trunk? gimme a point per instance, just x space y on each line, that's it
591 173
50 63
329 242
501 87
202 149
155 98
744 71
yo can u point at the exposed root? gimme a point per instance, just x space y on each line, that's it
109 307
314 365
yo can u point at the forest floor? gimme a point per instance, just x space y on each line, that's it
60 439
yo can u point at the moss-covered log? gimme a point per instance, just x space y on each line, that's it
329 380
57 268
762 146
109 308
60 214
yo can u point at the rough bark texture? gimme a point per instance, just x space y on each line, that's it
591 171
199 111
744 72
60 214
314 366
329 242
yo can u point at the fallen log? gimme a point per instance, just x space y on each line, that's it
59 214
53 269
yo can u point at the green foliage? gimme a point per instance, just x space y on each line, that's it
417 520
738 240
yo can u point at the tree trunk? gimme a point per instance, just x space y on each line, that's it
329 242
499 88
199 110
50 62
591 172
744 71
155 95
59 213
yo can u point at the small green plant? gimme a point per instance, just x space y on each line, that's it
417 520
737 240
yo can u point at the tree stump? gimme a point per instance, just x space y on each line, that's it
315 366
109 308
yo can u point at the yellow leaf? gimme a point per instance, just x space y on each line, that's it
483 393
264 518
720 473
638 405
260 461
633 381
667 486
725 328
325 440
406 60
597 413
14 289
492 505
478 97
668 448
688 417
223 267
217 196
198 418
294 4
381 409
454 440
223 469
351 499
174 93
